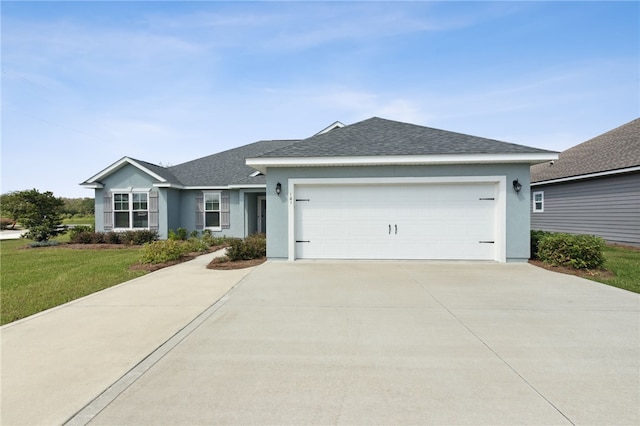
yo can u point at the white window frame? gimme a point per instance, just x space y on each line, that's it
219 210
131 211
534 208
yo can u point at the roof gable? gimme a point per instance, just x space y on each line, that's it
159 173
617 149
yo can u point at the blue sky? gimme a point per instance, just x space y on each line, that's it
86 83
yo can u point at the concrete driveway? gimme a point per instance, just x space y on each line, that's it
395 343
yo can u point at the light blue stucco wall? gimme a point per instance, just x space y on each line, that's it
241 208
130 178
176 207
517 205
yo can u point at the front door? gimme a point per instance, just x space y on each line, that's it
262 215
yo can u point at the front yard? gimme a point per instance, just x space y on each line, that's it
35 279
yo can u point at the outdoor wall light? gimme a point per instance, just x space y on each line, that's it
517 186
278 188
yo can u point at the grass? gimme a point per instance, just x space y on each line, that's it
79 220
625 265
35 279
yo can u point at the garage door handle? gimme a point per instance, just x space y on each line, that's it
389 229
396 229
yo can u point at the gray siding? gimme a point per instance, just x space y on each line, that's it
608 207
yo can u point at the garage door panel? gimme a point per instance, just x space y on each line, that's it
421 221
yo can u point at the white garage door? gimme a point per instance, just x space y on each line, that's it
403 221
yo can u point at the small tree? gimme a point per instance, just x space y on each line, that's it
10 206
39 212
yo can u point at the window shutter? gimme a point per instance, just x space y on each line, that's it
200 212
225 216
154 222
107 209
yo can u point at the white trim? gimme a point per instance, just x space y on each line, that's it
204 210
501 181
130 192
257 185
590 175
119 164
211 188
168 185
335 125
256 173
92 185
533 158
533 202
130 189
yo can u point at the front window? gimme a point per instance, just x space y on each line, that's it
131 210
538 201
212 210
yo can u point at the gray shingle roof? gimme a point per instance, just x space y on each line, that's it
226 168
616 149
377 137
159 170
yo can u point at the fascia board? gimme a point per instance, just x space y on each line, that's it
248 186
588 176
205 187
119 164
95 185
168 185
532 158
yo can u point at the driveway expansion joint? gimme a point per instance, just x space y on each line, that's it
529 384
103 400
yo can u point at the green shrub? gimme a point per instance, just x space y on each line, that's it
139 237
163 251
578 251
252 247
112 238
536 236
80 235
83 237
75 230
210 240
196 244
179 234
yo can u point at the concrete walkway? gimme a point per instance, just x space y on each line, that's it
57 361
11 234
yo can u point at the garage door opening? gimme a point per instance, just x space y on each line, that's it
439 221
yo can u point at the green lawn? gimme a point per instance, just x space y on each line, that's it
80 220
625 264
35 279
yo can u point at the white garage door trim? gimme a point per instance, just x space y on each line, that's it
501 181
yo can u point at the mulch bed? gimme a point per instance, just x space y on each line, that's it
582 273
221 263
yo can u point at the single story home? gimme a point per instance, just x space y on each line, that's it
376 189
592 188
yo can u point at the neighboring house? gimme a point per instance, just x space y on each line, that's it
377 189
593 188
